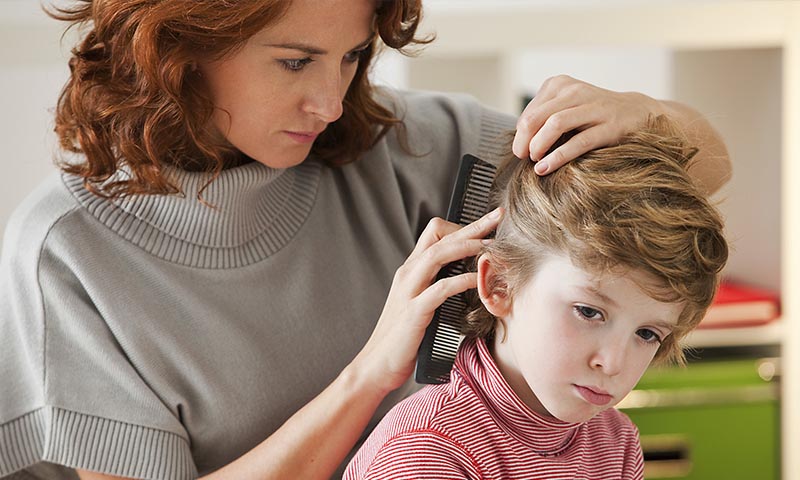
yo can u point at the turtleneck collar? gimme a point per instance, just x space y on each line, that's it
546 436
247 214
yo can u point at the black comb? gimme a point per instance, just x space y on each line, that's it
469 202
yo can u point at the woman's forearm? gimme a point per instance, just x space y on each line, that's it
312 443
316 439
712 165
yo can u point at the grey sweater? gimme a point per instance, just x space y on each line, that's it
155 337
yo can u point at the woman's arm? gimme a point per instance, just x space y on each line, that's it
313 442
316 439
712 165
602 117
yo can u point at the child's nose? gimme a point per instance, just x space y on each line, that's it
610 358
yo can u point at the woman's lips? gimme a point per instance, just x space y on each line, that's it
303 137
595 396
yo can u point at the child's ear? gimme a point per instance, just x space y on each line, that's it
492 288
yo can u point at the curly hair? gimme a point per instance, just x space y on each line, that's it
132 99
631 205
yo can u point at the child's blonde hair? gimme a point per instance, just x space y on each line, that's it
632 205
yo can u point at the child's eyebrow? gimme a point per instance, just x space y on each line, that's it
597 293
666 325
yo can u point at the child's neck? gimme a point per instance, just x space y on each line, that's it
503 356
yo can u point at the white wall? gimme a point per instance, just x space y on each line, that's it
738 90
646 70
32 71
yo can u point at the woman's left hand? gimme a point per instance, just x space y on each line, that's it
564 104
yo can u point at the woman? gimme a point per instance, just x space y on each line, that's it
221 242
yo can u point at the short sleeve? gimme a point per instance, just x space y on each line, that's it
70 396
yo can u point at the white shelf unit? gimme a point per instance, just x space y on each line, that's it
761 335
741 57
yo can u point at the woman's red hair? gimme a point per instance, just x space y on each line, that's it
134 99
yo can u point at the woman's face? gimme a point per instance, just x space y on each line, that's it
274 96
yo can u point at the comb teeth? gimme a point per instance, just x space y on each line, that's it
476 193
469 202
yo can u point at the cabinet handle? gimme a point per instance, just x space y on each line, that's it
666 456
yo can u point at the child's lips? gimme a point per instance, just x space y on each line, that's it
594 395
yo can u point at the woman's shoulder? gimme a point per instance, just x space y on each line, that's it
403 100
425 106
441 123
38 214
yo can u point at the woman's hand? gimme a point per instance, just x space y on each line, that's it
564 104
389 355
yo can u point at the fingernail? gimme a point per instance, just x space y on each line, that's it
487 241
495 214
541 167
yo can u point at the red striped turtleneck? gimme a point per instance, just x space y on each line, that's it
476 427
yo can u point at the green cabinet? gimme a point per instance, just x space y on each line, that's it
710 420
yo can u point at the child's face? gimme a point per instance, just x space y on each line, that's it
577 343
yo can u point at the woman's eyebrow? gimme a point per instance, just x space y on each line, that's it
312 50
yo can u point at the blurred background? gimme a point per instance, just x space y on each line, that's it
736 407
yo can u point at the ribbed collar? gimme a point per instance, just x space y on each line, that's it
545 436
256 211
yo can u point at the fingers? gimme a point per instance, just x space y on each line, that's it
433 296
564 104
394 342
529 122
422 266
575 147
413 277
414 296
438 228
556 94
560 120
480 227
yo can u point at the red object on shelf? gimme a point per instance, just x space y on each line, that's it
741 305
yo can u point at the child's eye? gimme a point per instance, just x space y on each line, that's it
295 64
648 335
355 56
588 313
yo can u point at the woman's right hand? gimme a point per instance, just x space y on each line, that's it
389 355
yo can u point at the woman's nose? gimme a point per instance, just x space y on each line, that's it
324 99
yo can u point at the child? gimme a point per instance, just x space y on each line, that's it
595 270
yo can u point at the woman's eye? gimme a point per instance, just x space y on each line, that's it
648 335
295 64
589 313
355 56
